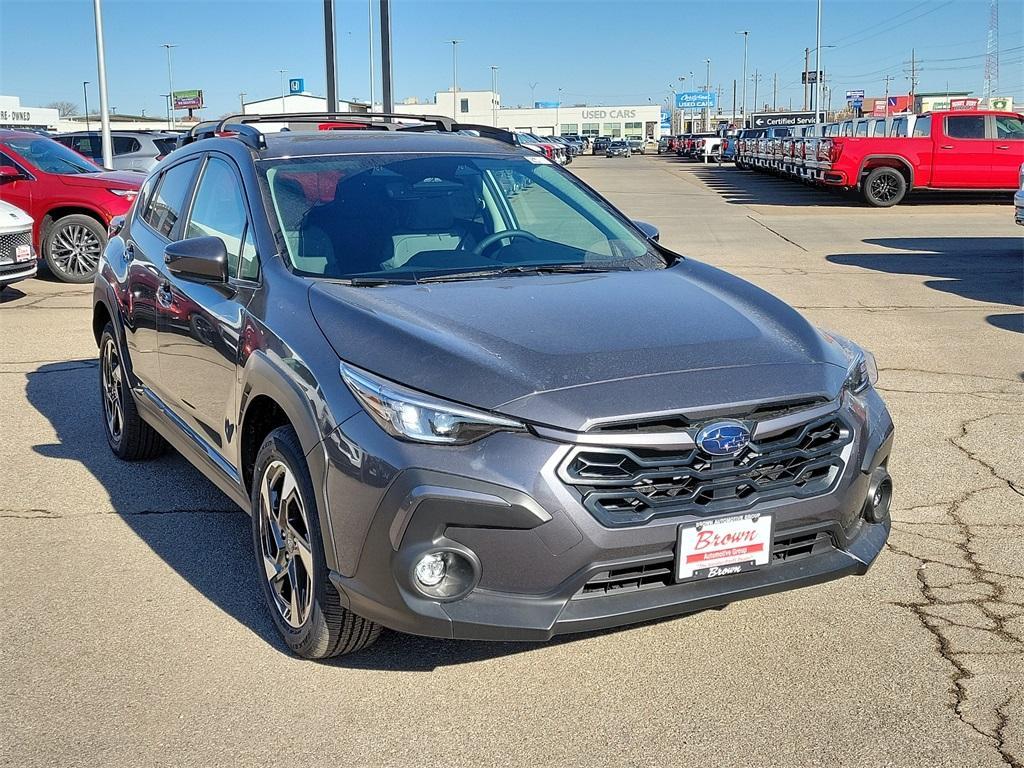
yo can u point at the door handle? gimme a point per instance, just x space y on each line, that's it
163 294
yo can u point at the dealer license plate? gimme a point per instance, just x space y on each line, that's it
724 545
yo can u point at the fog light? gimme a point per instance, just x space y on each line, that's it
431 569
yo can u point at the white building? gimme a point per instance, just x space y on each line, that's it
13 115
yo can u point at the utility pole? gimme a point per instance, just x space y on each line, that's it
387 95
743 79
807 68
494 95
170 85
888 79
101 66
85 93
241 100
330 59
775 92
455 78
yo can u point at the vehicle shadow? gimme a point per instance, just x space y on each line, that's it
742 187
989 269
198 531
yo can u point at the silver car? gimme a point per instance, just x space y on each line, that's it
133 150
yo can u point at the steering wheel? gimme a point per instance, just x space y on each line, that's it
490 240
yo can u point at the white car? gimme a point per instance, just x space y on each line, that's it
1018 199
17 256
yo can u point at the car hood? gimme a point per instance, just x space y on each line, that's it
569 350
106 179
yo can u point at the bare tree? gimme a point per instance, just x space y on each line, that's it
64 108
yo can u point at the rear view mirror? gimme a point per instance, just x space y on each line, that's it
10 173
202 259
650 231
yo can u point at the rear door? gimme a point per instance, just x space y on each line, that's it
158 220
201 324
963 152
1008 150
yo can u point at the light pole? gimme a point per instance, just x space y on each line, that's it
707 99
85 93
743 98
101 67
455 78
170 86
494 95
817 67
281 73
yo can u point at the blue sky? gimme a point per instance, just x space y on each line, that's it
597 52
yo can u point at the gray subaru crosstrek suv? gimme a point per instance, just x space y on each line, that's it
465 408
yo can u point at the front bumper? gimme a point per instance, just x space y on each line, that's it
539 549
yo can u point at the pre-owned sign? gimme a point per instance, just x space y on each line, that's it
773 119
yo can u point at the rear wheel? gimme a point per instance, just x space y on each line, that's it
72 248
305 605
884 187
129 437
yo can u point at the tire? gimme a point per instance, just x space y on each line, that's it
129 437
72 247
288 546
884 187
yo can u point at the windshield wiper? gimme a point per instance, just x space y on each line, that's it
520 269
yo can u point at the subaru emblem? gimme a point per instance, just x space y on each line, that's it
723 438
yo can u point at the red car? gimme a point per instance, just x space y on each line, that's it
70 199
962 150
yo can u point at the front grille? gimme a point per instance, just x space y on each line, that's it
629 486
660 573
11 240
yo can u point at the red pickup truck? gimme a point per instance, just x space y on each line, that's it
970 150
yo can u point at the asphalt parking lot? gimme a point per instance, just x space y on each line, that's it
133 633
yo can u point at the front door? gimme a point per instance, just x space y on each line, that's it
200 323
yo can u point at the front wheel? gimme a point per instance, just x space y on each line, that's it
72 248
292 570
884 187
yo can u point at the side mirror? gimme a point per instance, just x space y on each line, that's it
202 259
10 173
650 231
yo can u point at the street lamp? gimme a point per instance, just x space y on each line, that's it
170 86
85 93
455 78
743 98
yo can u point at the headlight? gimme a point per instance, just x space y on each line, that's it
861 369
410 415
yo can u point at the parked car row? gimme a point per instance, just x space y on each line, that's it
883 161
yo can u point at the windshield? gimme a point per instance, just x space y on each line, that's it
404 217
51 156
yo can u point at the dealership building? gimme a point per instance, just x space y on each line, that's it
484 108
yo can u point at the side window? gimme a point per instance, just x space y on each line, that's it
123 145
965 126
1009 127
923 126
165 208
219 211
